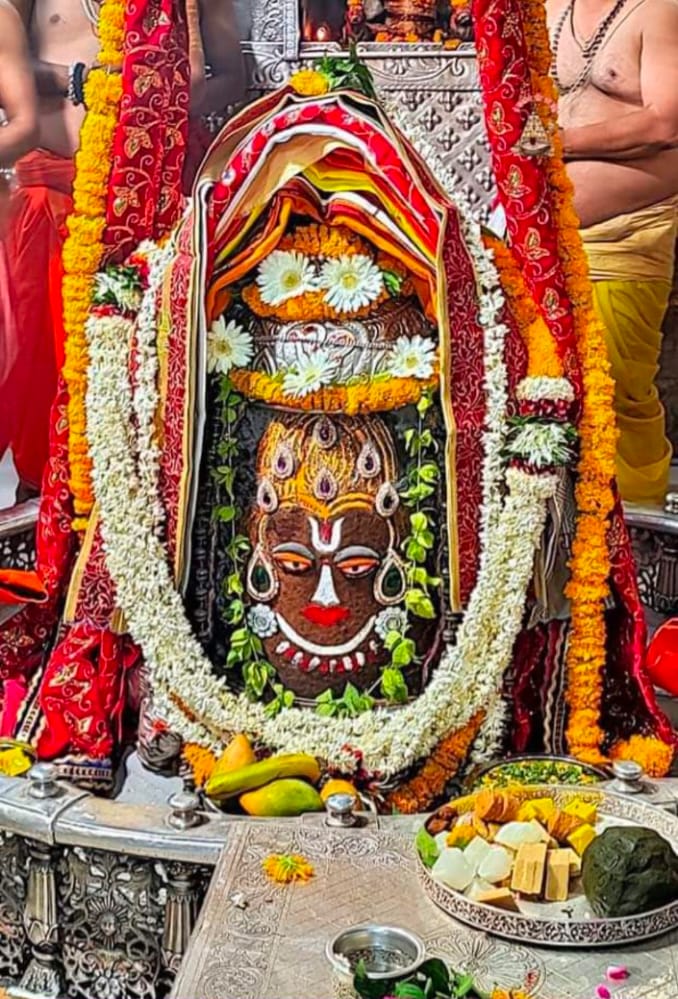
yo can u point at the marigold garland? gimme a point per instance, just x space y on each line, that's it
589 567
542 352
419 793
202 762
83 249
654 756
371 396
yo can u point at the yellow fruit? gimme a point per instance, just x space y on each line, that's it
336 786
238 754
282 798
227 785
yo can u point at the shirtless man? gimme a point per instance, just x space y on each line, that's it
17 90
64 45
616 67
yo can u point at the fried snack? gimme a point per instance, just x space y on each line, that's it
443 819
482 829
560 826
496 806
460 836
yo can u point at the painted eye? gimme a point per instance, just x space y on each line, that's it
356 568
291 562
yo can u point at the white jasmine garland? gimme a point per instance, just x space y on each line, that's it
465 681
536 388
542 445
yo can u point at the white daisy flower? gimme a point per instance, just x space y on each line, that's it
391 619
351 282
412 357
228 346
310 375
285 274
262 621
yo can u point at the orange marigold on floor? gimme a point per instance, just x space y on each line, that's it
654 756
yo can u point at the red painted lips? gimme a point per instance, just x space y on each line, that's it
325 617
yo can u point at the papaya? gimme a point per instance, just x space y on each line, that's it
282 798
337 786
238 754
222 786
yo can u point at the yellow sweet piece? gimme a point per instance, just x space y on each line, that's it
581 837
460 836
584 810
537 808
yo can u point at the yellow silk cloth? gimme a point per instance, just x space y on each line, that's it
631 260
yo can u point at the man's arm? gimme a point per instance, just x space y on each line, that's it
222 53
653 127
17 92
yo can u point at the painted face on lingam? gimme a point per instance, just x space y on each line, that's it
325 576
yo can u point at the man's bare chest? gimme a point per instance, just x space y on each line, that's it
67 19
612 68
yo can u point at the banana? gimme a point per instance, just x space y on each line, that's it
222 786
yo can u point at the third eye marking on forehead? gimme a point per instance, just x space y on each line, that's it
323 540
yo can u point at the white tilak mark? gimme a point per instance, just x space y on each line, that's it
325 593
320 546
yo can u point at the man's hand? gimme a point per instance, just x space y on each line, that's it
17 90
654 126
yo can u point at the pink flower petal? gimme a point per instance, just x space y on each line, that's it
602 992
617 973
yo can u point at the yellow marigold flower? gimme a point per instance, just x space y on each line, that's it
309 83
283 868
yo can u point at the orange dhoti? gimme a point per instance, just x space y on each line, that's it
32 342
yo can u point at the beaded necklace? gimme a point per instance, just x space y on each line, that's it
589 49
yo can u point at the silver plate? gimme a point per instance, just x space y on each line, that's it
569 932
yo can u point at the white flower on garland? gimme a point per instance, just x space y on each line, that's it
412 357
352 281
310 375
262 621
391 619
542 445
285 274
228 346
115 284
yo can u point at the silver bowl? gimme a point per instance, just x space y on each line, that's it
389 952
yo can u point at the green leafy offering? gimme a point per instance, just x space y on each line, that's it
433 980
627 870
427 848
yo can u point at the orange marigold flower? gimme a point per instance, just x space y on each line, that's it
201 761
654 756
309 83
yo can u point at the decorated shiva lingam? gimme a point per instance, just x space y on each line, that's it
329 380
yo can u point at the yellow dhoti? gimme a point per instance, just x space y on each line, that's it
631 259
